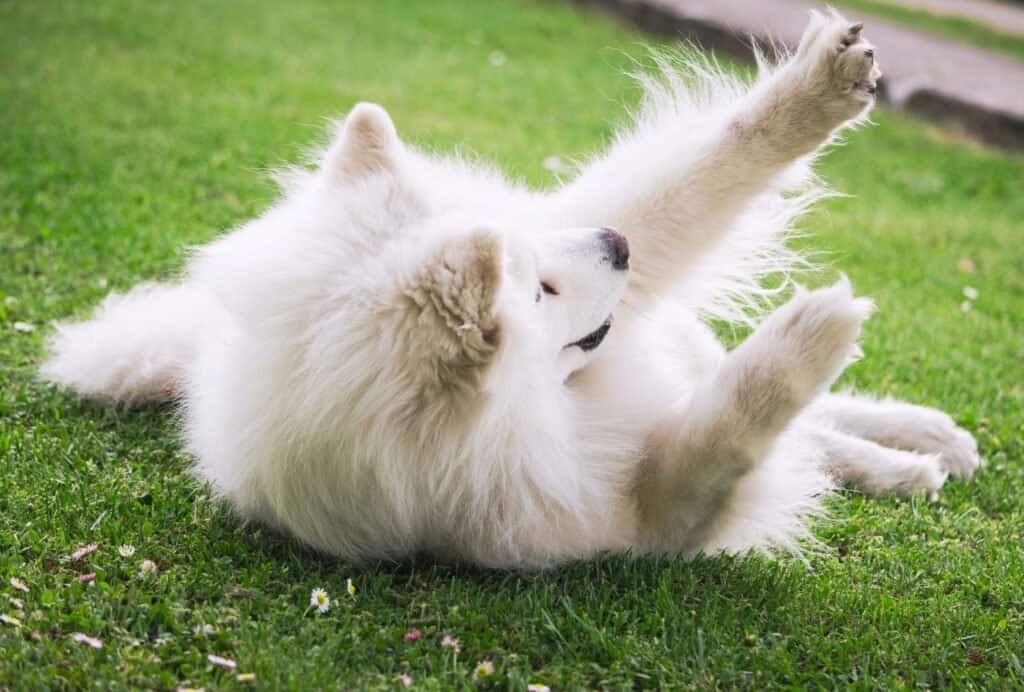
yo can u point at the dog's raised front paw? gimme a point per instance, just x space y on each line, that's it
840 65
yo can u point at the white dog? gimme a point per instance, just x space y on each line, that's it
410 354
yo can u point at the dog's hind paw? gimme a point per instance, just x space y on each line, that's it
956 448
813 337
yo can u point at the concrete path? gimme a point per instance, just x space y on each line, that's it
955 84
1003 17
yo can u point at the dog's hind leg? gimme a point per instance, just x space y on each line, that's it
877 470
699 452
903 426
691 167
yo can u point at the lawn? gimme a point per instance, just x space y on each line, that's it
131 129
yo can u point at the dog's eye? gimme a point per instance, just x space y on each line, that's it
548 288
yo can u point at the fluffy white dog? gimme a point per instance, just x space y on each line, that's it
408 354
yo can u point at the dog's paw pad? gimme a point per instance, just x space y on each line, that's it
837 53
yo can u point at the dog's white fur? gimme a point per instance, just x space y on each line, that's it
374 367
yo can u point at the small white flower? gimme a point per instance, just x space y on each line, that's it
222 662
405 680
24 327
535 687
965 306
484 669
126 550
350 587
87 640
970 293
10 301
148 568
320 600
10 620
16 602
246 677
203 628
451 642
497 58
19 584
554 164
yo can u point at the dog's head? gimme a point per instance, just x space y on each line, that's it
459 296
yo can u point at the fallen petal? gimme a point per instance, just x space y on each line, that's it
82 552
222 662
87 640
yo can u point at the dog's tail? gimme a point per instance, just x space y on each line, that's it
137 345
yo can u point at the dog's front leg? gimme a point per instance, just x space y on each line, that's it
676 184
697 453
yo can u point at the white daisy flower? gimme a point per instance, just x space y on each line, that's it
451 642
19 584
350 587
10 620
203 628
24 327
320 600
246 677
406 680
126 550
147 568
484 669
970 293
535 687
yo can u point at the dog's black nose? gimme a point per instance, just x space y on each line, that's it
618 248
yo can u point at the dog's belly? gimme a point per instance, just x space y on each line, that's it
648 365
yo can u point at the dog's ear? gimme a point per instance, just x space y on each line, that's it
456 296
366 143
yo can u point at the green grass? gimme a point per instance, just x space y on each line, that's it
957 28
131 129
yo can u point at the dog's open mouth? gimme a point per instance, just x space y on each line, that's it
594 338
